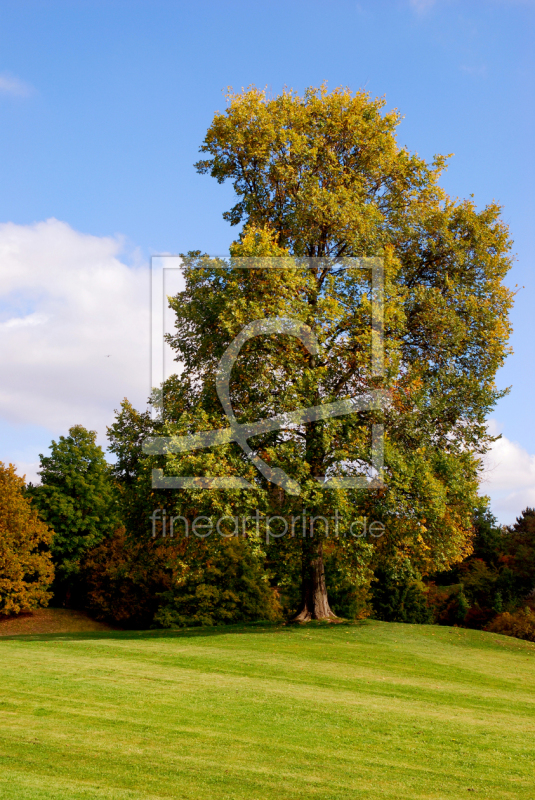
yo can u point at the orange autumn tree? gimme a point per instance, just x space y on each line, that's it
26 569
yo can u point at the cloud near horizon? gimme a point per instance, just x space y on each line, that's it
74 327
509 477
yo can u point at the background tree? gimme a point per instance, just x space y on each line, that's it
77 498
26 569
497 577
322 176
521 551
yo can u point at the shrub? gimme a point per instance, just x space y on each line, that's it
172 583
26 569
478 617
229 586
449 604
123 579
399 599
463 606
519 623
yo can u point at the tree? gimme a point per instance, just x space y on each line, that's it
78 500
322 177
26 569
126 436
521 550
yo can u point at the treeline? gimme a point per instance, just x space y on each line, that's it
93 547
492 589
86 538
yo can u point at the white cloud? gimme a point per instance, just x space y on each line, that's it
74 327
28 471
9 84
509 477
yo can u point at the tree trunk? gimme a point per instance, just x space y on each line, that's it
314 600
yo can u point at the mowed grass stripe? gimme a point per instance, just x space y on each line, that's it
469 687
269 713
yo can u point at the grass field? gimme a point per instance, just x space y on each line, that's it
367 710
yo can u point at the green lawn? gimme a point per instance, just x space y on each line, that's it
371 710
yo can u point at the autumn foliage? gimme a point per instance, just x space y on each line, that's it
167 584
520 624
26 569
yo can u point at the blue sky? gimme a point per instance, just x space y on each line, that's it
103 106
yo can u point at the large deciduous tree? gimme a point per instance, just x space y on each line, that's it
322 177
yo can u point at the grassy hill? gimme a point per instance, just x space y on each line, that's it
371 710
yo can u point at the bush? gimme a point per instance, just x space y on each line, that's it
230 586
442 601
399 599
26 569
172 583
451 606
122 579
478 618
519 623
